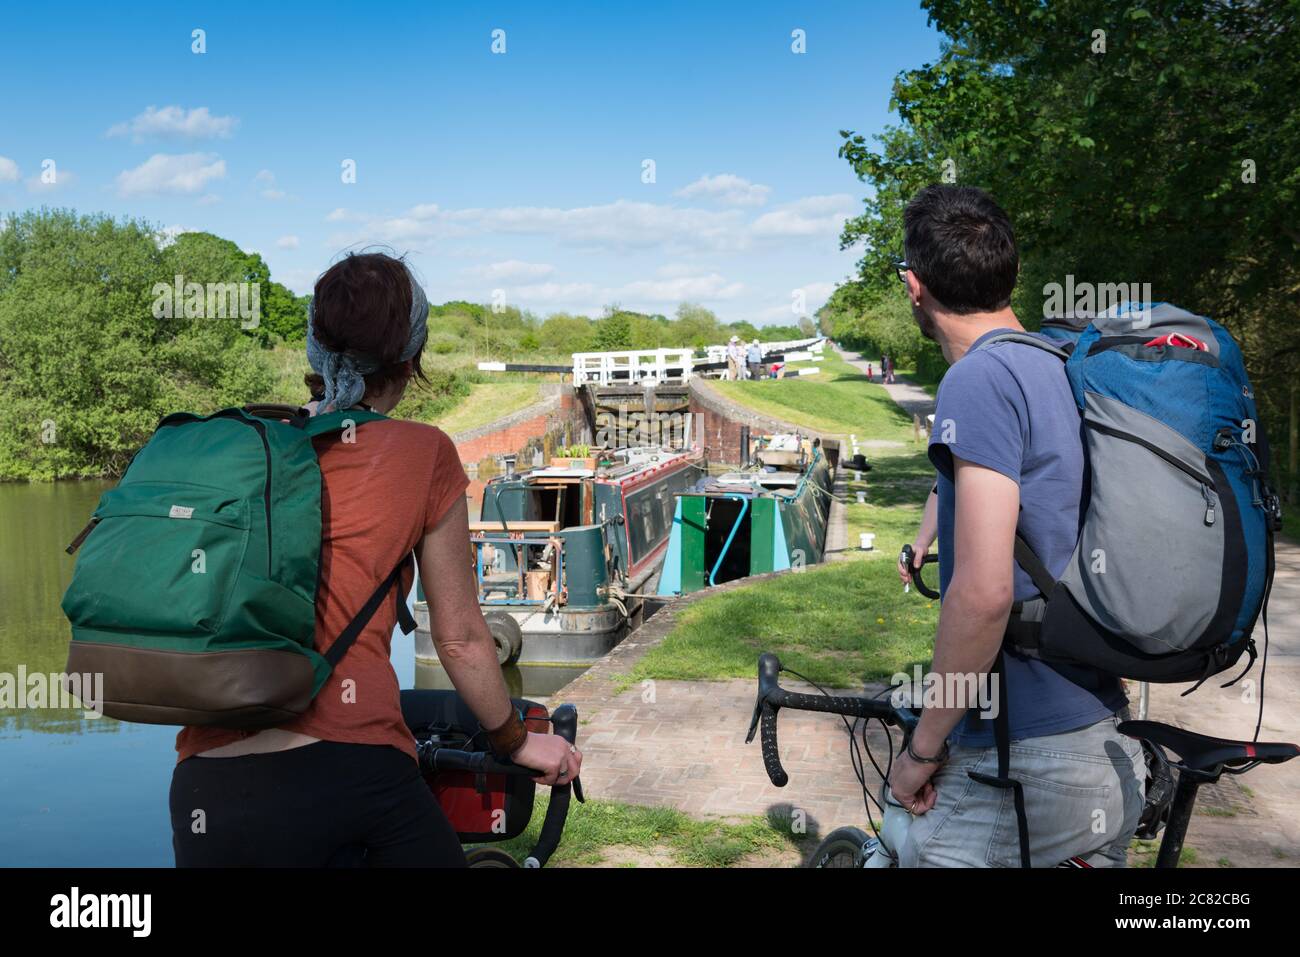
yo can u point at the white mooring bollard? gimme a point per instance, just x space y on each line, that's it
868 540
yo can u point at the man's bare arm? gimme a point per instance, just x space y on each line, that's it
978 599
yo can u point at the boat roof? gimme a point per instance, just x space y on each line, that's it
631 464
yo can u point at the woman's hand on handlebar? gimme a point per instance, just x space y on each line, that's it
549 754
918 556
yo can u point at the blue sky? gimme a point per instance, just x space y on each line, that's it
519 171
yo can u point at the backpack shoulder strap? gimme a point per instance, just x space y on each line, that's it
358 624
1043 580
1025 339
1030 562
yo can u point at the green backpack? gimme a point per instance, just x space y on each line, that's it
195 591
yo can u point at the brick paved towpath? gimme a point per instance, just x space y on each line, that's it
681 743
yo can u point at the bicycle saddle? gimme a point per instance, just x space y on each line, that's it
1200 752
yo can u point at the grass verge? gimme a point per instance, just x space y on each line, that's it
487 402
839 623
838 400
609 832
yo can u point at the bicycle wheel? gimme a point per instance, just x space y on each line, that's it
489 857
841 848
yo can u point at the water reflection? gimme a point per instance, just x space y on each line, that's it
535 682
93 792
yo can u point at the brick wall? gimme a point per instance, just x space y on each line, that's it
722 420
545 426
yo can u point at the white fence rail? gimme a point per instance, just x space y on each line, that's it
655 366
633 367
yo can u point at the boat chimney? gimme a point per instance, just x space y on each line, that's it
744 446
509 462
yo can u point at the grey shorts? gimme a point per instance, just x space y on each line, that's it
1084 793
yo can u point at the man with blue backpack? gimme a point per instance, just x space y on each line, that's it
1102 515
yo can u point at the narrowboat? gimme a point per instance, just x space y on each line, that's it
566 555
769 516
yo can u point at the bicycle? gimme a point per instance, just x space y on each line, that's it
1203 760
440 723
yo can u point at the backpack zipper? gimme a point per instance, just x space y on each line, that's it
266 489
1208 491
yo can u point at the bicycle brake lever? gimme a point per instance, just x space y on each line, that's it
753 722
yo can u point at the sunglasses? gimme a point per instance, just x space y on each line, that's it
901 267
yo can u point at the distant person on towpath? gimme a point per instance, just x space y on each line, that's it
754 360
735 359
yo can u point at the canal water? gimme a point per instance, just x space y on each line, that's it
79 791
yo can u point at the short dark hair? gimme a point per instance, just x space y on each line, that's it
363 304
960 244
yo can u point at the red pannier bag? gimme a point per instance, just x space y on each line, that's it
481 807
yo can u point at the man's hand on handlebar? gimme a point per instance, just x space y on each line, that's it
909 782
549 754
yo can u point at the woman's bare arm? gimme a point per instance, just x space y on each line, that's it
460 634
465 645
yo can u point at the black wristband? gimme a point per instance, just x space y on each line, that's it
939 758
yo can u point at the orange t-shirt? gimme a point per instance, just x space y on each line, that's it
380 494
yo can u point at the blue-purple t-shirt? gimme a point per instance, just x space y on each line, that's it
1009 408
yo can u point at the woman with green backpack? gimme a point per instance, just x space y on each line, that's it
341 775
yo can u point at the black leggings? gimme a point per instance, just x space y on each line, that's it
321 805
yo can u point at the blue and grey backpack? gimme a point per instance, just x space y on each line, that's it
1174 560
1175 555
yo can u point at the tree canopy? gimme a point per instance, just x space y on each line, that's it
1130 142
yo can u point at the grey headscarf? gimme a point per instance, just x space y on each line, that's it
344 372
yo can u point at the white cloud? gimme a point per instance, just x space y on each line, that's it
287 242
621 225
167 235
175 122
728 189
208 200
300 281
553 292
8 170
811 216
171 173
781 307
341 215
62 178
709 287
266 178
510 269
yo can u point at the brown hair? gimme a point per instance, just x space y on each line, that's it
362 304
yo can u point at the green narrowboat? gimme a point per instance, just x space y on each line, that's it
564 556
768 517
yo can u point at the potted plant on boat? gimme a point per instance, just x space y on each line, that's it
574 457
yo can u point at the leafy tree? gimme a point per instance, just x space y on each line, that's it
563 333
86 370
1148 142
613 332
